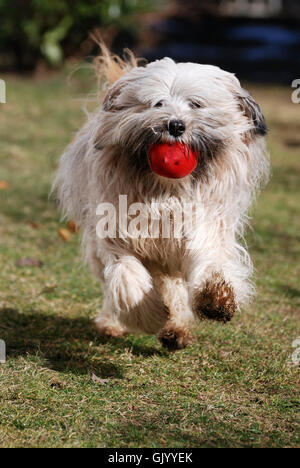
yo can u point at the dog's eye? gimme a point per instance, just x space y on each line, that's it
195 105
158 104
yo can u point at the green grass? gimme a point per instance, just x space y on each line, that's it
233 387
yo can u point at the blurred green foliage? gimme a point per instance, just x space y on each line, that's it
31 29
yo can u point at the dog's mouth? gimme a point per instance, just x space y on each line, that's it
172 160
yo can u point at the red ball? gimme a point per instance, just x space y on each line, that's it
174 161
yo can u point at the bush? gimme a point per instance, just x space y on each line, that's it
54 29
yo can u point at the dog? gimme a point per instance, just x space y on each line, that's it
158 284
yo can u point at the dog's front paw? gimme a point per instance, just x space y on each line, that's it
128 282
215 301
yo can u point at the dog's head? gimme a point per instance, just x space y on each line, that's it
200 106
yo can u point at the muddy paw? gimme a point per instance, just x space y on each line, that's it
215 301
174 338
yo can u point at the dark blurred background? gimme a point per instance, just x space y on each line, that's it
259 40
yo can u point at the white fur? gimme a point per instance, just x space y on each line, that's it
138 274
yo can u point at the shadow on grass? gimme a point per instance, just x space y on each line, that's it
65 344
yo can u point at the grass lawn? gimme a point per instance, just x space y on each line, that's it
233 387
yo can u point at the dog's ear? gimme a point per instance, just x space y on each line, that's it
254 113
110 98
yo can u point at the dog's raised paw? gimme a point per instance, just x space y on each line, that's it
215 301
174 338
128 282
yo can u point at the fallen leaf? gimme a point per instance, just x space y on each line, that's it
48 289
98 380
64 234
72 227
28 261
33 224
4 185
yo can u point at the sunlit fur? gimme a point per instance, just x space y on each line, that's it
150 283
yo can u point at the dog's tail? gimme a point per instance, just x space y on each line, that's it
110 67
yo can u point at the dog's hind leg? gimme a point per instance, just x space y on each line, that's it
175 333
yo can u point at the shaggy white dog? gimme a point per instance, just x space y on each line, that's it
160 284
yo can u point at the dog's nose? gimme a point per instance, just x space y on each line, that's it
176 127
